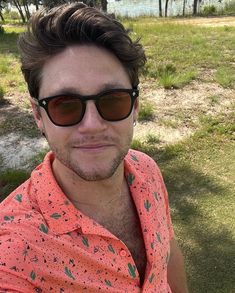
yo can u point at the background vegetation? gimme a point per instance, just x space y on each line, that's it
199 171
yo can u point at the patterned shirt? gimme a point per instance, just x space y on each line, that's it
47 245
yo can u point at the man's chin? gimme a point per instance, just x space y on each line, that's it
93 175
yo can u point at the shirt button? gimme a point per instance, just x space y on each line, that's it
122 253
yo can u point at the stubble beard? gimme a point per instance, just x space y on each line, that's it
64 156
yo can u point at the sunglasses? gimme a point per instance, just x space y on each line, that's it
69 109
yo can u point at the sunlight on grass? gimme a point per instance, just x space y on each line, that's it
189 48
225 76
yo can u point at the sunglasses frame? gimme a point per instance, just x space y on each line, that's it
44 102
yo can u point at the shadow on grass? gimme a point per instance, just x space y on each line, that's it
208 247
15 120
9 180
209 250
8 43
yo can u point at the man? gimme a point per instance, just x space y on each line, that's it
94 216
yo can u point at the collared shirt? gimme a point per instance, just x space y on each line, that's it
47 245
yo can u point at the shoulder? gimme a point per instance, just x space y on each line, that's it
23 198
142 162
20 209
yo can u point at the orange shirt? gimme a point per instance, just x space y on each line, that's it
47 245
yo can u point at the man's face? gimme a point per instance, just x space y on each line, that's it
93 148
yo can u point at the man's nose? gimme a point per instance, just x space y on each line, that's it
92 121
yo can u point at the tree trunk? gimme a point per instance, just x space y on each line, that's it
26 9
160 8
166 8
184 4
36 4
1 16
17 5
104 4
195 7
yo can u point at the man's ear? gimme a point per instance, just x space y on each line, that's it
136 110
37 114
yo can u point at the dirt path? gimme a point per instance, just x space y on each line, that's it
208 21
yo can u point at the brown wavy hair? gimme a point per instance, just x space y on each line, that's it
50 31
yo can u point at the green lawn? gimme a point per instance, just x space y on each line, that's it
179 53
200 171
11 78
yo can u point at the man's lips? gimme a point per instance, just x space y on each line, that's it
91 147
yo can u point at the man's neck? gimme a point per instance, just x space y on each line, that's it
90 196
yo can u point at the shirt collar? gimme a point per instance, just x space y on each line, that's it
59 212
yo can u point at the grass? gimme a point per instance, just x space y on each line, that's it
188 49
10 179
146 111
152 138
18 118
11 77
225 76
214 100
2 92
170 123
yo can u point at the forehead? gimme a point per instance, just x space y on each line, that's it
85 69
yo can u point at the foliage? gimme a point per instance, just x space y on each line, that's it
11 15
209 10
229 8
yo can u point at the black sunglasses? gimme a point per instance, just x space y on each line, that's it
69 109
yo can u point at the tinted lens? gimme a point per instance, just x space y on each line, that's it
65 110
115 106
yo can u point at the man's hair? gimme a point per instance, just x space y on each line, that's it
50 31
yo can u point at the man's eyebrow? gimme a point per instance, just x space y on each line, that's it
76 91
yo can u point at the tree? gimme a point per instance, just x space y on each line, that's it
2 5
53 3
35 2
26 8
166 7
19 8
160 8
184 5
195 2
